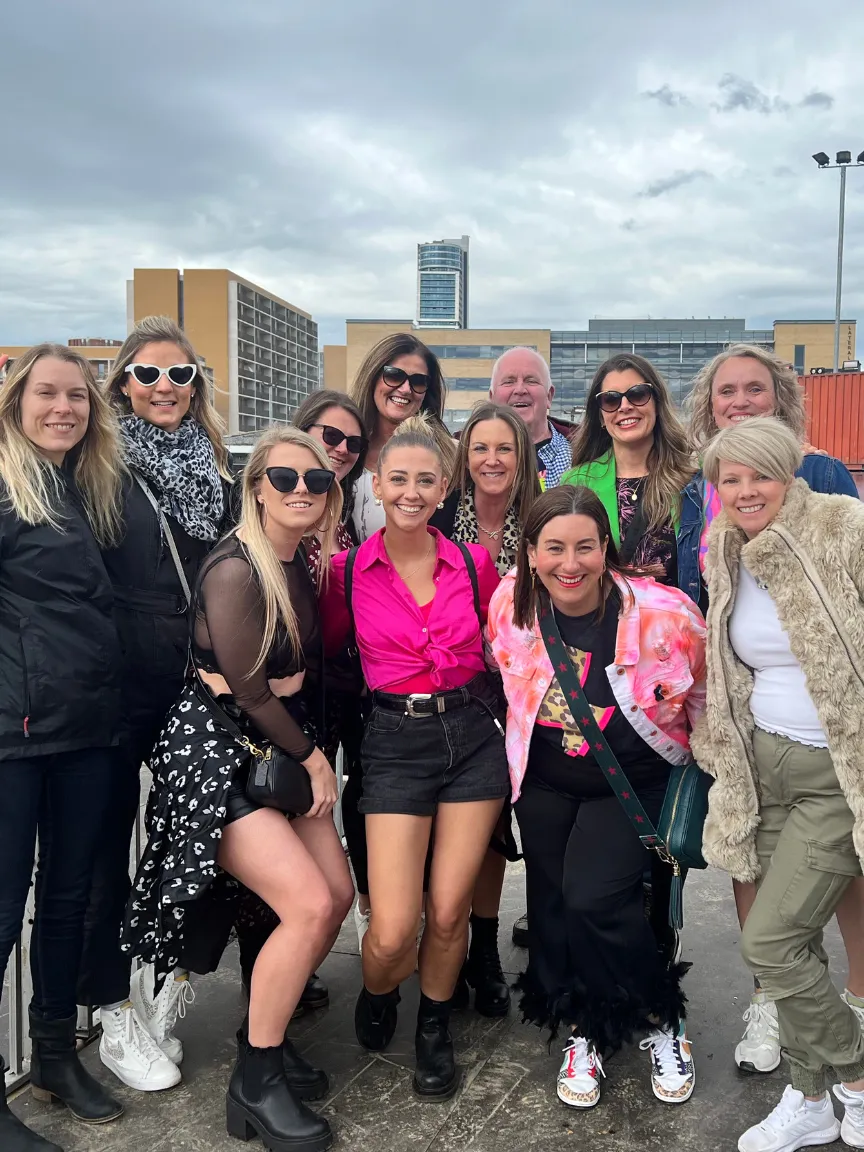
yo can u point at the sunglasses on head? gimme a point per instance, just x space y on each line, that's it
638 396
180 375
317 480
333 437
393 377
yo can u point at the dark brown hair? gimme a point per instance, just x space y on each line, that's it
311 411
526 483
377 359
530 598
670 461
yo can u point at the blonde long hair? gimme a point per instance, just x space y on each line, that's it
267 565
32 484
153 329
788 393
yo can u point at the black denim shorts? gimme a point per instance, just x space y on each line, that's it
411 764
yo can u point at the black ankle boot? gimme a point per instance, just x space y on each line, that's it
304 1080
375 1018
483 968
461 994
435 1077
56 1073
315 995
16 1136
260 1101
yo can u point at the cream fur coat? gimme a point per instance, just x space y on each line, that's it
811 560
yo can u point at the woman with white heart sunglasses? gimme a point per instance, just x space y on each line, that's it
179 482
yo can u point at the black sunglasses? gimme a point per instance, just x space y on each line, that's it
393 377
333 437
317 480
638 396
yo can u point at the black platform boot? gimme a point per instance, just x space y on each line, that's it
435 1077
15 1136
260 1101
315 995
375 1018
304 1080
461 997
56 1073
483 968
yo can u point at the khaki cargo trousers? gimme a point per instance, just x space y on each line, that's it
805 850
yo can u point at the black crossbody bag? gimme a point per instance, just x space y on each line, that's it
677 839
276 780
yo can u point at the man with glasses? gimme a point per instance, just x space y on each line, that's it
521 381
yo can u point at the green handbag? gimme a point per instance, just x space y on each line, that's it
677 839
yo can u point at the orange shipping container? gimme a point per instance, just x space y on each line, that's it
835 415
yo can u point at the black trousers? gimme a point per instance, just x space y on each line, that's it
65 798
594 962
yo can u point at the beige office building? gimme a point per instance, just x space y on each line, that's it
809 344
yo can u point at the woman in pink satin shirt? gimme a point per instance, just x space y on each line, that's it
434 743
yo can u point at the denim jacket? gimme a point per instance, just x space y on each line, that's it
822 474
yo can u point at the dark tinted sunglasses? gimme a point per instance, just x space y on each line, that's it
180 375
638 396
393 377
317 480
333 437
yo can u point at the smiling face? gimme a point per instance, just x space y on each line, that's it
164 404
290 513
341 460
742 387
751 499
520 384
569 559
55 407
397 404
492 457
409 485
630 425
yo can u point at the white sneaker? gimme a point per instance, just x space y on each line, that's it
361 923
159 1014
852 1128
128 1050
759 1050
792 1125
673 1076
856 1008
578 1080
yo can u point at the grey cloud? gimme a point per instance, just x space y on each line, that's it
676 180
667 96
739 94
817 100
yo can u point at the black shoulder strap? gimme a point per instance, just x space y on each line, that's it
635 532
472 572
350 560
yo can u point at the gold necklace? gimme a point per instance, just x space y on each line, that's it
491 535
406 576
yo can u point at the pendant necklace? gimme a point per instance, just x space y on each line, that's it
491 535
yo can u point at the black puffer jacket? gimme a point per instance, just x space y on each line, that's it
59 656
150 609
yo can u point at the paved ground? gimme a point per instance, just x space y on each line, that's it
507 1100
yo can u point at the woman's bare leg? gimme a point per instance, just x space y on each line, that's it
263 851
462 833
397 846
490 882
321 840
850 917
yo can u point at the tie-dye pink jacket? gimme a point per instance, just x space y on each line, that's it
658 677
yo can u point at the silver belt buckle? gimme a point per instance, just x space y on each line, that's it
413 699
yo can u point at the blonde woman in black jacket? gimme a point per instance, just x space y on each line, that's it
60 477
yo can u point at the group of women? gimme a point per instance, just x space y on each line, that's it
476 648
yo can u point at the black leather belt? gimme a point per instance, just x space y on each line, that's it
423 703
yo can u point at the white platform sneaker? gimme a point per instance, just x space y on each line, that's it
159 1013
792 1125
759 1050
128 1050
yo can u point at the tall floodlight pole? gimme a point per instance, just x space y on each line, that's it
844 160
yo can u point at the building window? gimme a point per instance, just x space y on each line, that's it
800 352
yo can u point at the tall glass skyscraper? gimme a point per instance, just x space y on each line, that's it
442 284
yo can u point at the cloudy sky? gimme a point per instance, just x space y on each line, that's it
618 158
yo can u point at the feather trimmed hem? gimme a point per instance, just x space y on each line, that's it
610 1022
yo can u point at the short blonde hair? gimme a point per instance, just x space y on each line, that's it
765 444
788 393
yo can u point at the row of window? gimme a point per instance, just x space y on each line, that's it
473 351
270 307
